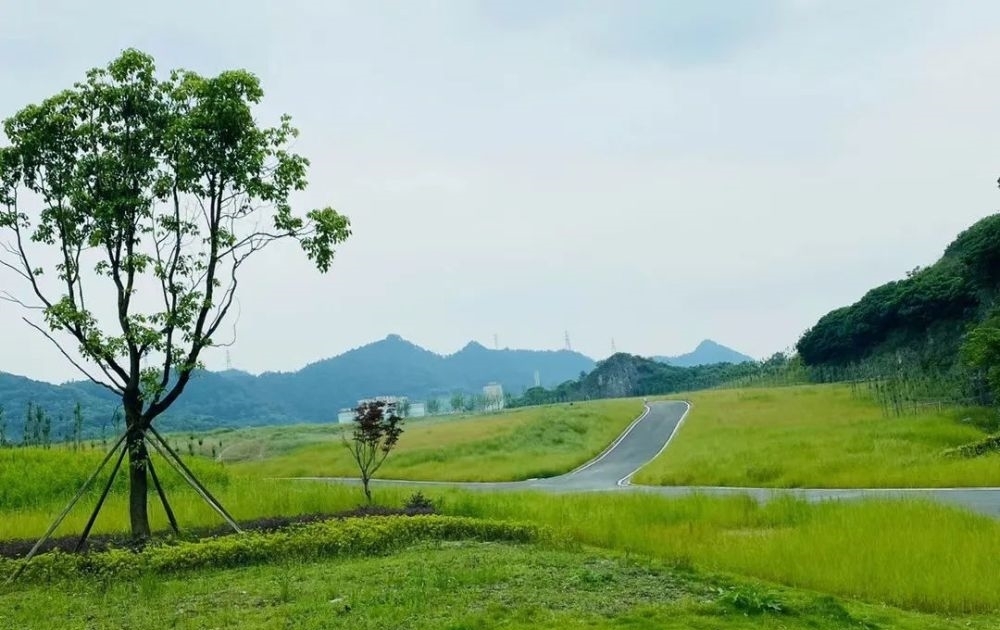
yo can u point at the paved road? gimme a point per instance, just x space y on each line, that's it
649 434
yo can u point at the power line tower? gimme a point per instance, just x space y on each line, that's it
613 349
229 361
569 346
496 342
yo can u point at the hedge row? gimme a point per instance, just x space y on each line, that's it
361 536
976 449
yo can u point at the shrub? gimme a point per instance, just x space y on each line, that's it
419 503
368 536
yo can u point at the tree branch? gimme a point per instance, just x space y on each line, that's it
110 388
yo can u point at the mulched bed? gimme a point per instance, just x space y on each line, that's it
103 542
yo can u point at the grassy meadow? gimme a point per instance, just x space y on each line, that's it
915 555
872 563
514 445
820 436
449 584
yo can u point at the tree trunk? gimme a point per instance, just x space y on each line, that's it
138 492
368 493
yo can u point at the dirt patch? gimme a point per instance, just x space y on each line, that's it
103 542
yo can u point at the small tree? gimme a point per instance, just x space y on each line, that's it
132 203
377 428
457 402
3 429
432 406
77 426
404 408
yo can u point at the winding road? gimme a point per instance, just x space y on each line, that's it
650 433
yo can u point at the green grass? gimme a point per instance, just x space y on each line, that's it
818 437
456 585
517 444
915 555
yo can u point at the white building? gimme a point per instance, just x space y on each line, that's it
345 415
493 395
417 410
401 403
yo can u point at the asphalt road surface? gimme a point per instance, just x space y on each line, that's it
649 434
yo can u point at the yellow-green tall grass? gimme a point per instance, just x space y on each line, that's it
817 437
913 554
518 444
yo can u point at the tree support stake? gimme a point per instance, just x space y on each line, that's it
184 472
100 501
163 497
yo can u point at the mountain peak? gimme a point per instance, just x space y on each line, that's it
707 352
473 346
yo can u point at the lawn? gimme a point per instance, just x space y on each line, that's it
446 584
517 444
820 437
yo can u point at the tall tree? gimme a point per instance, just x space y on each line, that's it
152 194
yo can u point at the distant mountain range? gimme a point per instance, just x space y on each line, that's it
708 352
391 366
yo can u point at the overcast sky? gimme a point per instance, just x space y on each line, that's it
653 172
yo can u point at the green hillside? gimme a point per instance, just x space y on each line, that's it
923 320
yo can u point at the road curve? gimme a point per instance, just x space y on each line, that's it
650 434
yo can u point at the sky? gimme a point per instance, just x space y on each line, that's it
652 172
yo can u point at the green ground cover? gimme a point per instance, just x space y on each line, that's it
517 444
912 554
447 584
821 436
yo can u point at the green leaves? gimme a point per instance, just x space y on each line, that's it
329 229
981 350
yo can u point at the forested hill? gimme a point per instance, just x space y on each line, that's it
391 366
924 316
623 375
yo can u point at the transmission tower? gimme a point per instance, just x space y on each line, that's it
569 346
229 361
613 349
496 342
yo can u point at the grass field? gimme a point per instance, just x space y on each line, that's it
517 444
447 585
913 555
819 437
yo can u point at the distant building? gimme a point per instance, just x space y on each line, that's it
493 396
403 405
417 410
345 415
